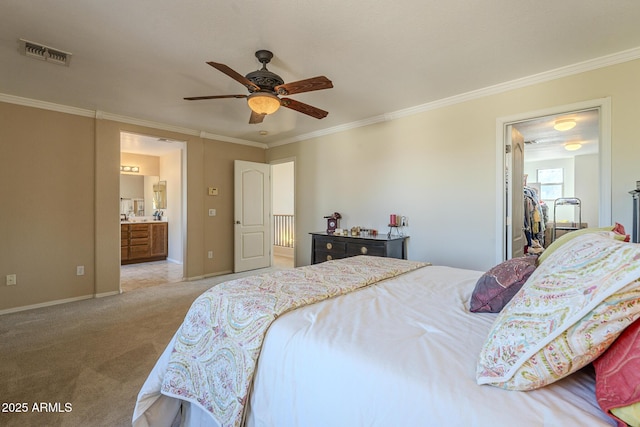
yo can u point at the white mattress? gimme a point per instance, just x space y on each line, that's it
400 353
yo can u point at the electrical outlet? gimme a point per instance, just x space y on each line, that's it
11 279
212 212
210 254
80 270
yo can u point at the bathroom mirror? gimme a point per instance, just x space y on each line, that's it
137 194
160 195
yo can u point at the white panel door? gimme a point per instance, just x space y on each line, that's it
518 240
252 229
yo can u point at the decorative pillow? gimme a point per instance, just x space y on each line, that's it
618 377
497 286
617 230
569 311
629 414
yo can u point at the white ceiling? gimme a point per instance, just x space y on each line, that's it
138 59
543 142
148 145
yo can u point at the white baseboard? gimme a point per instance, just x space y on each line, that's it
108 294
205 276
57 302
44 304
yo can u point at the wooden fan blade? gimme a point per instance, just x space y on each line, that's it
307 85
235 75
256 118
196 98
303 108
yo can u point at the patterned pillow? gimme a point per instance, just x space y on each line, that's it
497 286
618 376
569 311
614 231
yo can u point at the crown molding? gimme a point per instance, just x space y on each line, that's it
27 102
103 115
207 135
581 67
569 70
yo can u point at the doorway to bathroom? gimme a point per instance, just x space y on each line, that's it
152 211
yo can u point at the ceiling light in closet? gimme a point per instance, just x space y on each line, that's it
564 124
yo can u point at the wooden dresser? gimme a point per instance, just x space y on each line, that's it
144 241
325 247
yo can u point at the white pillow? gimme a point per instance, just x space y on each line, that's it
569 311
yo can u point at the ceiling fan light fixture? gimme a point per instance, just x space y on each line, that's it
263 102
572 146
564 124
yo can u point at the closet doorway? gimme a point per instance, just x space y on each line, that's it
546 153
158 164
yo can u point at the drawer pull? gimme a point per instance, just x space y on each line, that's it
329 257
329 245
363 250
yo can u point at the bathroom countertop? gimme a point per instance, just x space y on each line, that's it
142 221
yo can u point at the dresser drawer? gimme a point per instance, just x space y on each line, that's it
322 256
373 249
330 245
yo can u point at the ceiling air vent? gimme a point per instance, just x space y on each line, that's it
44 53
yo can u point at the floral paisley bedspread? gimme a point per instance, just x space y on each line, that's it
218 344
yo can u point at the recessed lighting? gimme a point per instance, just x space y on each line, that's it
263 132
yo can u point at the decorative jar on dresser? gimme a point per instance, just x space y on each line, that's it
325 246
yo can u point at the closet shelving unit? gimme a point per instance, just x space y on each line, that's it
566 201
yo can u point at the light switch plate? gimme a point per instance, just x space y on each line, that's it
213 191
212 212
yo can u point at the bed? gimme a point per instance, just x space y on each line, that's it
401 351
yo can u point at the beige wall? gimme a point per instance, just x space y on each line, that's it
61 184
149 165
219 229
60 204
438 167
47 177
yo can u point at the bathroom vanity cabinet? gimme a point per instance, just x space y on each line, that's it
143 241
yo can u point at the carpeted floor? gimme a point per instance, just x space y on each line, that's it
83 363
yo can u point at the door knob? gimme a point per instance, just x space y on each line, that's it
237 222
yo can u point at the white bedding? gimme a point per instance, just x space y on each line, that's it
400 353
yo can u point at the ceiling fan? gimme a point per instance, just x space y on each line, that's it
265 86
